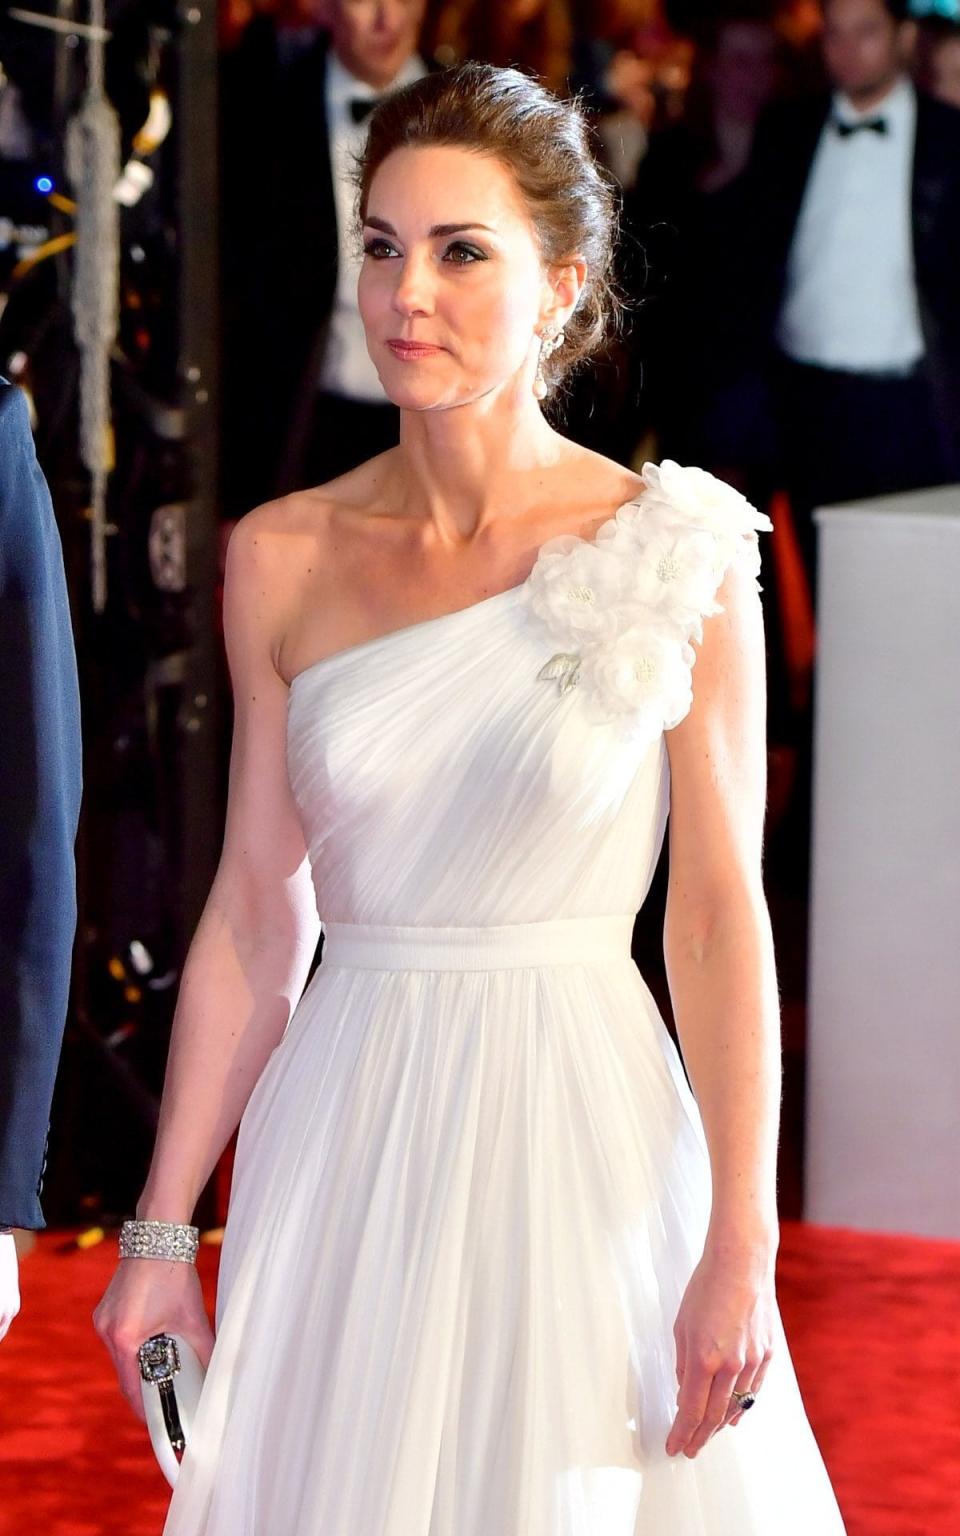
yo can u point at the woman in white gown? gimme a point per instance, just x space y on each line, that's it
490 1267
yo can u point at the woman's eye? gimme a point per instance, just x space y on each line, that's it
459 254
377 248
462 254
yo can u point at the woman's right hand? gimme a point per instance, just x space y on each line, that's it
148 1296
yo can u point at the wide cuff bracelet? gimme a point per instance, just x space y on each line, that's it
159 1240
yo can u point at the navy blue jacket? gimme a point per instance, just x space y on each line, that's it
40 785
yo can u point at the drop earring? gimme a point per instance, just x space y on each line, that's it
551 339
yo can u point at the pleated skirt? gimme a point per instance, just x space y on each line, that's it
470 1188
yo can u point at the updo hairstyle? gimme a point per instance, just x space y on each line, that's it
545 142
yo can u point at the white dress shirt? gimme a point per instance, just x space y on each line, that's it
851 296
346 369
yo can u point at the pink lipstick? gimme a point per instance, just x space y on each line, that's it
409 351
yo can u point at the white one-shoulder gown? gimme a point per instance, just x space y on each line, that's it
472 1181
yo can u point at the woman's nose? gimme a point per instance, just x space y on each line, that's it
413 293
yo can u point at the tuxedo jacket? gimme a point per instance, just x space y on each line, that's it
776 179
280 260
40 786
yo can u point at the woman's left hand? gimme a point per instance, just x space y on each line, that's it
724 1336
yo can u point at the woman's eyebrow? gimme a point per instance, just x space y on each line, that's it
435 231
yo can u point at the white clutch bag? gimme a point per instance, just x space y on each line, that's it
171 1381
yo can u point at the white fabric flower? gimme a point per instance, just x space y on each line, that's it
644 673
698 499
575 587
624 606
677 574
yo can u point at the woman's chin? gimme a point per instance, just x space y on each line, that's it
419 395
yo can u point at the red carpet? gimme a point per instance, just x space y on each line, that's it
871 1319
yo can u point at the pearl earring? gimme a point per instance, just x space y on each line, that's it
551 339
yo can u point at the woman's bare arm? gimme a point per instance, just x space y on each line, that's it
718 943
251 953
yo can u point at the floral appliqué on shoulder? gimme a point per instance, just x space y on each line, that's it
625 606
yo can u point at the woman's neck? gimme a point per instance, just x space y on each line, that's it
470 465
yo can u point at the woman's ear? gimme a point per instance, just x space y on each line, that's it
566 283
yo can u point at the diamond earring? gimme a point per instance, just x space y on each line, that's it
551 339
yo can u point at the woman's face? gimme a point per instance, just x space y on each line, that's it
452 288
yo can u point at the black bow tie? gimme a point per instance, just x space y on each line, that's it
362 106
875 124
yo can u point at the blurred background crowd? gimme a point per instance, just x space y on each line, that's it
790 250
793 310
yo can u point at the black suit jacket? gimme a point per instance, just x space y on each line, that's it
40 785
776 179
279 264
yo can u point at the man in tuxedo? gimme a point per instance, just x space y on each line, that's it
852 255
302 400
40 775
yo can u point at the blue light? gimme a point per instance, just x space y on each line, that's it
43 184
948 9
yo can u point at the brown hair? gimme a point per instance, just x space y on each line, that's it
545 142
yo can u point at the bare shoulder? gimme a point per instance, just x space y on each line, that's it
275 533
280 552
594 481
267 550
286 557
255 586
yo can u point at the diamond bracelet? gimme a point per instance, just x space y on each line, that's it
159 1240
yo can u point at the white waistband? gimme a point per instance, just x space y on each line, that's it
559 941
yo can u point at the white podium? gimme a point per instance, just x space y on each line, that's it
883 1040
